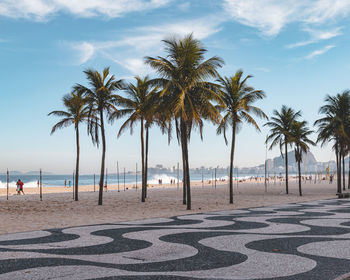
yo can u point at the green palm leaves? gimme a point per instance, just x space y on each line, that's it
236 104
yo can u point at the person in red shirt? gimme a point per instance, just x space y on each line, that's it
20 187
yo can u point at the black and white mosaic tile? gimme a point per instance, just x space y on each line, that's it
308 240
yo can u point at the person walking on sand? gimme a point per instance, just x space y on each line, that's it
20 186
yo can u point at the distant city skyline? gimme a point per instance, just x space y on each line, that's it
297 52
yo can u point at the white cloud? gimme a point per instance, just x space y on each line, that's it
130 50
320 51
317 35
85 50
42 9
271 16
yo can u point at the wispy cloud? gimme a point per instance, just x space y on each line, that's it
271 16
319 52
316 36
43 9
262 69
129 51
185 7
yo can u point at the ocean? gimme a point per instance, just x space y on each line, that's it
59 180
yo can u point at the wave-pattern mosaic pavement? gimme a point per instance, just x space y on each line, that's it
308 240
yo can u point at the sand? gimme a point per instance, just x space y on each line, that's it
26 212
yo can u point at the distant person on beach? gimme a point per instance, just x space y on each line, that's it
38 183
69 183
19 187
65 183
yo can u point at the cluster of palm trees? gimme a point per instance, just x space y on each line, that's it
334 127
186 91
286 129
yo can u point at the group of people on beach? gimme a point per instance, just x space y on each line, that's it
19 185
69 183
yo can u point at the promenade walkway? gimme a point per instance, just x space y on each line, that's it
308 240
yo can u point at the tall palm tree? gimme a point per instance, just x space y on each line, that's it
75 114
101 100
334 127
280 128
237 107
299 136
183 76
138 106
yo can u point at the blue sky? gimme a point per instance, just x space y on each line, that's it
297 51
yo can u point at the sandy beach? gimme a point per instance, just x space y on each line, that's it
26 212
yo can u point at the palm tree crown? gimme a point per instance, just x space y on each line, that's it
76 112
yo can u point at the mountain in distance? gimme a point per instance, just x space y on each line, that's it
308 164
307 158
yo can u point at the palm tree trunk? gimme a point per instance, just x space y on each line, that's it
231 160
146 162
286 164
300 193
143 162
343 157
186 179
188 187
349 173
102 174
338 168
184 182
77 163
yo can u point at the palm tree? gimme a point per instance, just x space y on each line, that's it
76 113
183 77
299 136
280 128
238 99
139 107
101 100
334 126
